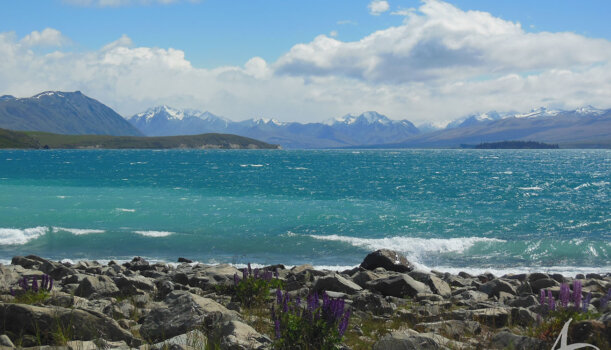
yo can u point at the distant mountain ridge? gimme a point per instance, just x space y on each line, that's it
63 113
351 130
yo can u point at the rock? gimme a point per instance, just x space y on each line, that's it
474 295
84 325
301 268
591 332
185 260
400 286
523 317
194 339
496 317
494 287
507 340
56 270
388 259
436 285
6 341
138 264
362 277
453 329
374 303
183 312
97 344
405 341
134 284
220 274
236 335
336 283
543 283
524 289
537 276
99 285
523 301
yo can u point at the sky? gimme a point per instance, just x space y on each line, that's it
426 61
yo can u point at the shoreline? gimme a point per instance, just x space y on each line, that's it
149 305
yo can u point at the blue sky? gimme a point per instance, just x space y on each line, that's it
210 34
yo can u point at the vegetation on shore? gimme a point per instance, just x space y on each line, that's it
44 140
516 145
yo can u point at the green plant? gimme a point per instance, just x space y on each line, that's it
34 293
253 289
315 326
549 328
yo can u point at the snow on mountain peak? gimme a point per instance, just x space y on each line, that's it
366 118
589 110
538 112
48 93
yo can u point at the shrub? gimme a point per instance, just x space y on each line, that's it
34 293
254 287
310 326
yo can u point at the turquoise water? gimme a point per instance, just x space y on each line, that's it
499 210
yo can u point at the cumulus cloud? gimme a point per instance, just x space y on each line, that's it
47 37
441 63
117 3
377 7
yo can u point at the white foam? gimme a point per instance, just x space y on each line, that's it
563 270
154 233
412 244
126 210
9 236
77 231
534 188
251 165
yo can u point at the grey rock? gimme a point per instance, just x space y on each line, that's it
362 277
523 301
399 286
507 340
138 264
236 335
336 283
405 341
85 325
496 317
132 285
181 313
474 295
454 329
436 285
374 303
6 341
543 283
194 339
387 259
523 317
494 287
524 289
99 285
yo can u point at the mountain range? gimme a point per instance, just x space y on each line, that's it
63 113
369 128
75 113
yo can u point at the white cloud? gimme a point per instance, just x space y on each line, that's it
377 7
441 63
48 37
117 3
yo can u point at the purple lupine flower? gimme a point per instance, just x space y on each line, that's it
551 301
278 296
34 285
277 329
564 295
256 273
236 279
343 325
586 302
23 283
244 273
12 292
577 293
273 313
285 303
298 301
542 297
276 274
249 269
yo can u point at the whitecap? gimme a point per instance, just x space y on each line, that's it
154 233
9 236
582 186
77 231
534 188
125 210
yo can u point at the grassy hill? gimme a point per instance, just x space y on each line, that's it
38 140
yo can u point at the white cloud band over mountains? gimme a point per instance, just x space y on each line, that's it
440 63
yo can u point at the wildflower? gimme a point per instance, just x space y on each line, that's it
34 285
244 273
542 297
343 326
586 302
564 295
577 293
551 301
236 279
604 300
278 295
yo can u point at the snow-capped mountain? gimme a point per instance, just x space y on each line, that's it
165 121
351 130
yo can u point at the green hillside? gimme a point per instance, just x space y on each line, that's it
38 140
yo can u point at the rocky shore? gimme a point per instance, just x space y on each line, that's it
88 305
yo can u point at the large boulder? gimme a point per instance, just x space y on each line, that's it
21 319
454 329
496 286
54 269
133 284
96 285
436 284
399 286
236 335
406 341
387 259
508 340
181 313
336 283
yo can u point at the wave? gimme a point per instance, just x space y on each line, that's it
77 231
412 244
15 236
154 233
126 210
